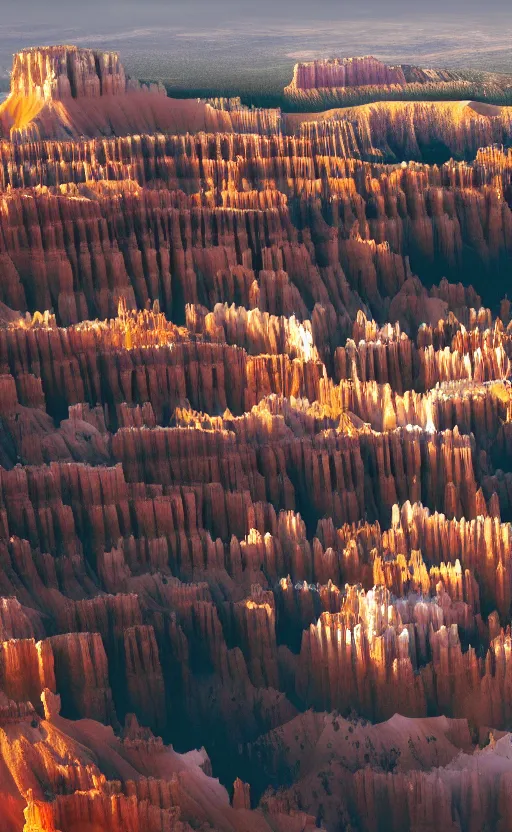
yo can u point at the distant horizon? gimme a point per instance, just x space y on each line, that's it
201 44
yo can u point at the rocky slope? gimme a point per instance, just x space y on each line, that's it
255 467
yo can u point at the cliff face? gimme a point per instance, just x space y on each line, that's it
347 72
255 468
363 72
54 73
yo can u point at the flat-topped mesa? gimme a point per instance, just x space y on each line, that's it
53 73
64 92
345 72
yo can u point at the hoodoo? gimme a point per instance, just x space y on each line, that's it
255 456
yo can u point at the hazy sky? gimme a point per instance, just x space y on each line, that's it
207 42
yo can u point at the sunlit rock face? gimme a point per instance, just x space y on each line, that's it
350 72
255 459
59 72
